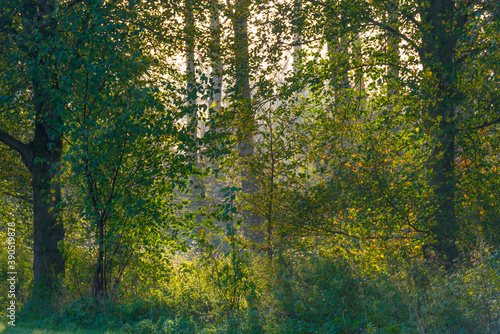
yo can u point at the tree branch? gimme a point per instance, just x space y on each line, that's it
393 31
486 124
398 10
470 53
23 149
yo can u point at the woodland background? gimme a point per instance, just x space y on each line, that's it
249 166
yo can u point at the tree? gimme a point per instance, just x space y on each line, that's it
31 44
242 106
414 55
445 30
123 135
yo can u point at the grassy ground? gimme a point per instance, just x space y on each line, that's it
17 330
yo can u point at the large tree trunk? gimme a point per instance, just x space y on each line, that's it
441 30
42 156
48 263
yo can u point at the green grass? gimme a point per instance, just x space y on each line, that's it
20 330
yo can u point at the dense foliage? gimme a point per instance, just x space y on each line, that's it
293 166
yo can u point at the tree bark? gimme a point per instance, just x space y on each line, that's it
99 286
197 187
215 57
441 31
246 124
42 156
48 229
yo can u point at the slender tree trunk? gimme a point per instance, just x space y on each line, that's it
189 33
215 57
338 52
297 34
392 64
246 124
99 290
197 188
242 95
392 51
270 214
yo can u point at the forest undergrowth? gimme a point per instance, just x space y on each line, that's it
308 290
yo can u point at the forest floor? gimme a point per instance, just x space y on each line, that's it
21 330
